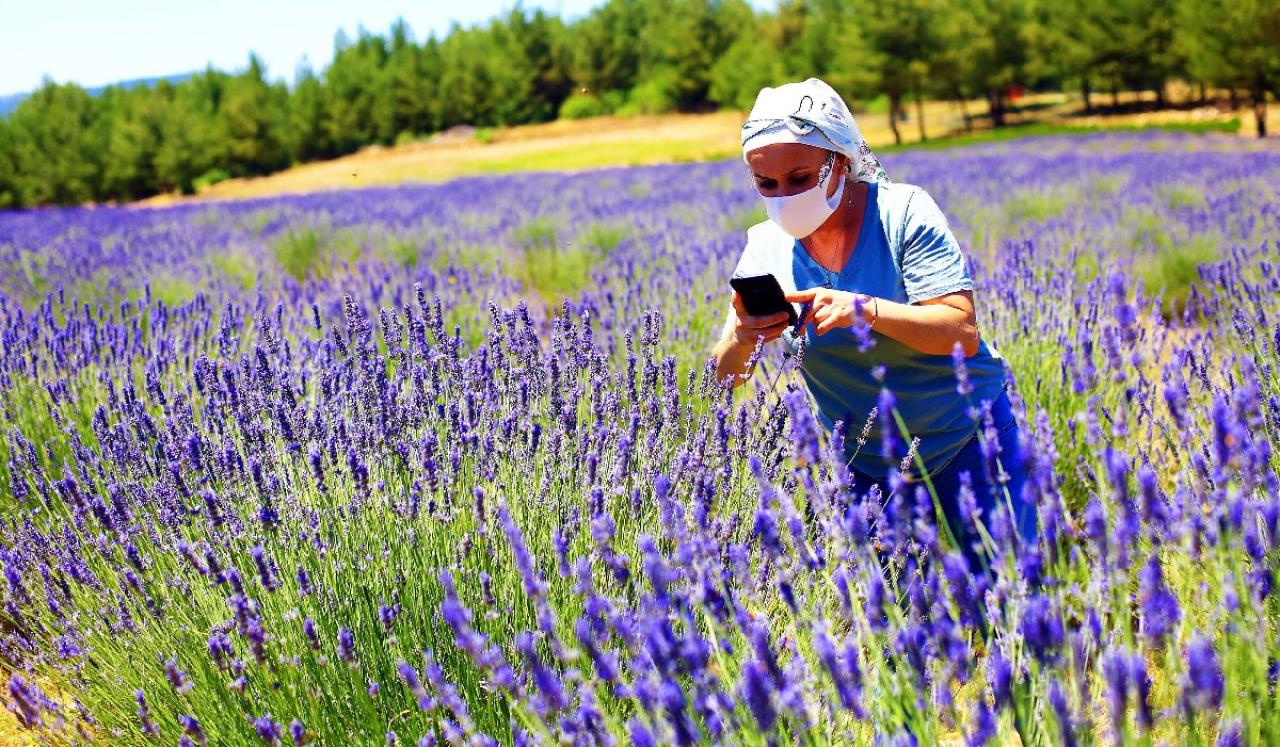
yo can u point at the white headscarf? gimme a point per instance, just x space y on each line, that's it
812 113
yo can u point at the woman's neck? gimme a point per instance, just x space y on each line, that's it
832 243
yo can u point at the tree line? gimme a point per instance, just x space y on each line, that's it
63 145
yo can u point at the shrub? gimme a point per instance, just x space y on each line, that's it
581 106
1171 272
654 96
209 178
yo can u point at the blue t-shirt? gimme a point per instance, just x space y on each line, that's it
905 252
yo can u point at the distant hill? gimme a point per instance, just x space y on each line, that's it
10 101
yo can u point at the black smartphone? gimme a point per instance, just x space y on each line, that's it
762 295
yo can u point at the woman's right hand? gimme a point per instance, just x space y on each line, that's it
747 328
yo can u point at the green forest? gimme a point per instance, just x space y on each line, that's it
63 145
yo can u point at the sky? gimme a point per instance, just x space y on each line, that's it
95 42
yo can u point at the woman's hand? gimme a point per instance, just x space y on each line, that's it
738 341
932 325
833 309
748 328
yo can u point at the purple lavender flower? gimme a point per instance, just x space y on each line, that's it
268 730
911 642
674 706
548 684
844 671
1000 679
193 729
1095 527
346 646
757 692
387 613
1031 566
144 715
1203 683
181 683
410 677
967 501
448 692
1160 610
29 701
804 427
960 583
1041 628
660 575
1231 734
964 387
1062 714
984 727
256 635
216 572
1115 669
474 643
639 734
1140 680
309 629
1154 511
534 585
304 582
211 508
315 459
188 553
606 664
220 649
877 597
266 573
888 426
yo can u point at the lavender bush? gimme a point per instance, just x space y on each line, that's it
447 464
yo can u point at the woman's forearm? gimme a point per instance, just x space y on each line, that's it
731 359
929 328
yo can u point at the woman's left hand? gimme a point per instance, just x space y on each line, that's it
832 309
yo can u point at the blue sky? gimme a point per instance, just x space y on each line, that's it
94 42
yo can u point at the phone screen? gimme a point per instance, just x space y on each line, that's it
761 295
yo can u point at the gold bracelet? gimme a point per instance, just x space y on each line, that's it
875 314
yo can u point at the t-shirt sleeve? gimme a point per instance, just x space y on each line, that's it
932 263
750 262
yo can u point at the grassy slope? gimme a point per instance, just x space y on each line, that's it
616 141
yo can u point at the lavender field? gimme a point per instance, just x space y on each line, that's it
445 464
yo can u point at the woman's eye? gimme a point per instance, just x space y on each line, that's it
766 184
796 181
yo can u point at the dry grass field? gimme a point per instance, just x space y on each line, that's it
625 141
603 141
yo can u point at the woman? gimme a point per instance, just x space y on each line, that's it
858 250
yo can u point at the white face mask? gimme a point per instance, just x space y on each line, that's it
800 214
